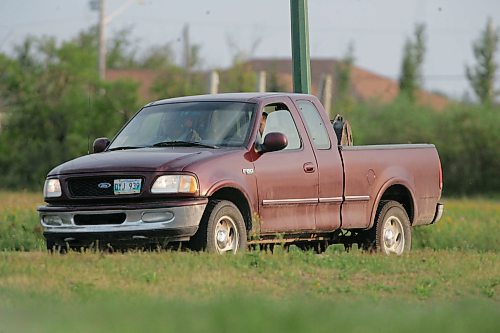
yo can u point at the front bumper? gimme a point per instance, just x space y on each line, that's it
151 224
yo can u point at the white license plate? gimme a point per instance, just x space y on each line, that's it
127 186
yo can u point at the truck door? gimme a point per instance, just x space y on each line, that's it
287 180
330 174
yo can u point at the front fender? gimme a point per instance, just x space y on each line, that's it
227 183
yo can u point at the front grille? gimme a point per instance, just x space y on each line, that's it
99 219
89 187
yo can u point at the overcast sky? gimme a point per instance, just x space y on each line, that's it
377 28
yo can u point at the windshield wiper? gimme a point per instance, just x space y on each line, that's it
124 148
182 144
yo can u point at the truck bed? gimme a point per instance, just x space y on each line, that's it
393 167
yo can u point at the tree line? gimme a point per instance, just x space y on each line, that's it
481 76
53 104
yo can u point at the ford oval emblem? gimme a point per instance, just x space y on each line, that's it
104 185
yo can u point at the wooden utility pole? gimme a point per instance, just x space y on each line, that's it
301 65
102 39
325 93
103 21
187 53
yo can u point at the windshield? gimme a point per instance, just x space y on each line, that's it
209 124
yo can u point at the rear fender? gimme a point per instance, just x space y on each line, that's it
383 189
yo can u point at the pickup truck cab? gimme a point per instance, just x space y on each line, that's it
224 172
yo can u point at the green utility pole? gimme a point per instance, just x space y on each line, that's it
301 65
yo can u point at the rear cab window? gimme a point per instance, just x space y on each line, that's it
314 124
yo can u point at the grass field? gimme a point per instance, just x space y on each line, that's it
468 224
450 282
445 291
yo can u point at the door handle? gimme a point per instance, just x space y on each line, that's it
309 167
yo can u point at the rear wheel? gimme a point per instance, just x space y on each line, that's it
222 229
391 233
392 229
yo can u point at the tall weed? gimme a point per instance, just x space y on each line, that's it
467 224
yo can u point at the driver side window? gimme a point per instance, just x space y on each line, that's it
279 119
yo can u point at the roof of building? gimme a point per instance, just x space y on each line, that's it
365 85
145 78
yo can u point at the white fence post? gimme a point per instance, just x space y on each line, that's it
213 82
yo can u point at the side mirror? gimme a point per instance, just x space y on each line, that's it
274 141
100 144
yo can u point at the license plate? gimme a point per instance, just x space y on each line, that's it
127 186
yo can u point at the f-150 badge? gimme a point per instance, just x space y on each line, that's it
248 171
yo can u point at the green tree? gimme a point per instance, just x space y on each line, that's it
121 50
53 103
343 70
273 80
482 75
410 79
174 82
158 57
239 78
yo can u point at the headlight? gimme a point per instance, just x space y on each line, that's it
52 188
175 184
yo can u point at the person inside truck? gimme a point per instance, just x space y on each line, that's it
262 123
184 132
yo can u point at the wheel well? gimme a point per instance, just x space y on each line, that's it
402 195
237 198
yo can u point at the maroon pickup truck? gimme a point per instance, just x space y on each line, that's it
225 172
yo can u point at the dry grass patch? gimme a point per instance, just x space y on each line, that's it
11 201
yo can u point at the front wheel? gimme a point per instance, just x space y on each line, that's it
222 229
392 229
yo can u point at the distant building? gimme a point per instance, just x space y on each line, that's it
145 78
365 85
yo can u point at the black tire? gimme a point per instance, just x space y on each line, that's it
392 229
222 229
52 247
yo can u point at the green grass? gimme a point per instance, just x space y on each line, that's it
450 282
20 228
423 275
20 231
467 224
242 313
431 291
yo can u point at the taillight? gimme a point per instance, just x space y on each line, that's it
440 176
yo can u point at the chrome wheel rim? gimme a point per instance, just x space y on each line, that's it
226 235
393 236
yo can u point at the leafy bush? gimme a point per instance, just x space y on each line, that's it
55 105
467 138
